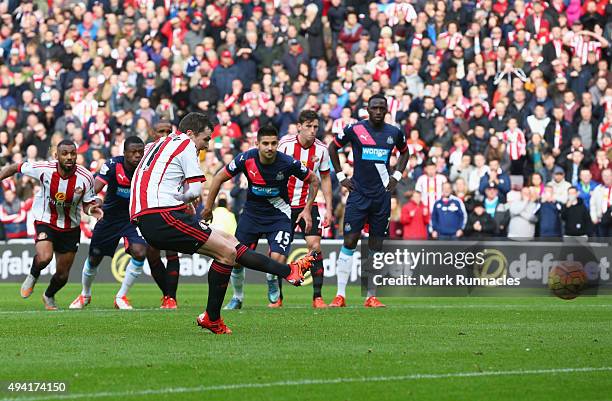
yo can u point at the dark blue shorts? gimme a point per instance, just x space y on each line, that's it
361 209
108 232
279 233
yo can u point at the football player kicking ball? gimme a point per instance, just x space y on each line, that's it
267 211
66 188
166 181
373 142
116 175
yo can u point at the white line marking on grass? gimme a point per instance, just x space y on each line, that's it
307 382
559 305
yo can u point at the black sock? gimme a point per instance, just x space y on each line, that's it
172 274
36 267
218 278
317 276
56 284
259 262
158 271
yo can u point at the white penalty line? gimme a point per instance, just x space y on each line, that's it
308 382
560 304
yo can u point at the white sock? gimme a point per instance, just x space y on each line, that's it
344 266
132 272
237 280
87 278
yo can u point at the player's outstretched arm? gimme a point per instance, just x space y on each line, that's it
9 171
218 180
335 161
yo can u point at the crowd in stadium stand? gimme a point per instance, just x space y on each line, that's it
507 105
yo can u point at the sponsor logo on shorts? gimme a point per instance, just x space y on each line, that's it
42 236
347 227
375 154
203 225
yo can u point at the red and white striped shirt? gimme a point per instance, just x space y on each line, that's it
168 164
453 40
59 202
582 48
315 157
393 11
430 188
340 124
516 143
393 106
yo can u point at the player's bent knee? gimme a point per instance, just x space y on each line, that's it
139 253
62 276
44 259
228 255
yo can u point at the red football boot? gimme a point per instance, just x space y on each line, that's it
217 327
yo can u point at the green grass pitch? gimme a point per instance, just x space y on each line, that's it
416 349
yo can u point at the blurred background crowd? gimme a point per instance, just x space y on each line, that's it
507 105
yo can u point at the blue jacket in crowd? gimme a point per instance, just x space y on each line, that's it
448 216
549 219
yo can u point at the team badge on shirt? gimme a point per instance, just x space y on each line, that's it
390 140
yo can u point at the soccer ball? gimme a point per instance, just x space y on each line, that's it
567 279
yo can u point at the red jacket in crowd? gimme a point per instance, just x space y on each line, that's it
415 218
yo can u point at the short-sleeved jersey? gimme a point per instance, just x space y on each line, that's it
118 180
59 202
372 150
315 158
268 195
167 164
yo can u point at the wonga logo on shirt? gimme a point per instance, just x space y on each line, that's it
375 154
263 191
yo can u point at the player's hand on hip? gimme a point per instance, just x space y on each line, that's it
391 185
305 215
348 184
207 215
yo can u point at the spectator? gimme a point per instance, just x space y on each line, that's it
480 225
430 184
548 214
415 218
560 186
586 186
498 178
523 216
13 215
449 216
600 202
575 215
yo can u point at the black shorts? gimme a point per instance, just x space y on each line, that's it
64 241
174 230
315 228
109 231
